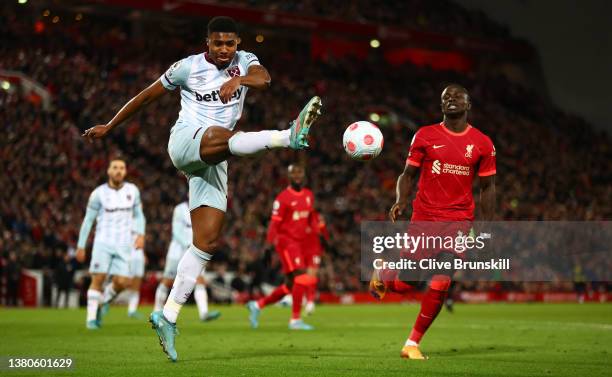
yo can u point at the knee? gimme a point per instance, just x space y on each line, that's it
207 243
96 281
213 140
120 282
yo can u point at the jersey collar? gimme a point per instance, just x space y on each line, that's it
209 60
291 190
467 129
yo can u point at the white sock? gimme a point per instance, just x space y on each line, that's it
189 268
249 143
411 343
133 301
93 300
161 293
201 298
109 293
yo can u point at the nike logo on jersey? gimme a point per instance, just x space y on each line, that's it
438 146
214 96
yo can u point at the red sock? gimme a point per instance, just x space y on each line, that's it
430 306
297 294
277 294
311 292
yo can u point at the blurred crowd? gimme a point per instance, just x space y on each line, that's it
551 165
442 16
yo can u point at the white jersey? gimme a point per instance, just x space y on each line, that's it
200 81
116 210
181 231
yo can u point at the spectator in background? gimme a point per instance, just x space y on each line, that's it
13 278
64 279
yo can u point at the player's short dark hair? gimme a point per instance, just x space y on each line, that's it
222 24
458 86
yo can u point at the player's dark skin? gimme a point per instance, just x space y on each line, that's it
296 174
455 105
206 221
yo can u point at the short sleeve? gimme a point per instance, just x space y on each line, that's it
487 165
278 209
416 152
248 59
177 74
94 202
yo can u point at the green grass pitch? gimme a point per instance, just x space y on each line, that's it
359 340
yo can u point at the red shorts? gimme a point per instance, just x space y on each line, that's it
443 232
291 254
312 251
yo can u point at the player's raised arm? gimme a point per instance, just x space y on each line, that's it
257 77
142 99
93 207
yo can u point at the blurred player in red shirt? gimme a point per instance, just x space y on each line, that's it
292 213
312 255
449 155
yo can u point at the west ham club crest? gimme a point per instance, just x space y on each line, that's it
233 71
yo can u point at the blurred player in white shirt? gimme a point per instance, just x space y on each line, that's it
117 209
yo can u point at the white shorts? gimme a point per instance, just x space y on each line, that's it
110 259
207 183
137 263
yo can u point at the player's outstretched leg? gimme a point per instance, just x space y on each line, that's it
432 302
296 137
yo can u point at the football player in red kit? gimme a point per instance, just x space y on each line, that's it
291 218
449 156
312 255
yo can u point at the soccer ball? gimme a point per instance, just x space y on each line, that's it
362 141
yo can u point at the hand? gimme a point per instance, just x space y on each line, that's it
397 210
140 242
229 88
96 132
80 255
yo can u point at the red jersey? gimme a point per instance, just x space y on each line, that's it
317 229
291 214
449 162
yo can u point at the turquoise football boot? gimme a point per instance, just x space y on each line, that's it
299 325
254 312
166 331
301 125
211 316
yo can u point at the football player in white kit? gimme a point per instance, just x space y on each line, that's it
213 86
181 239
116 208
137 270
